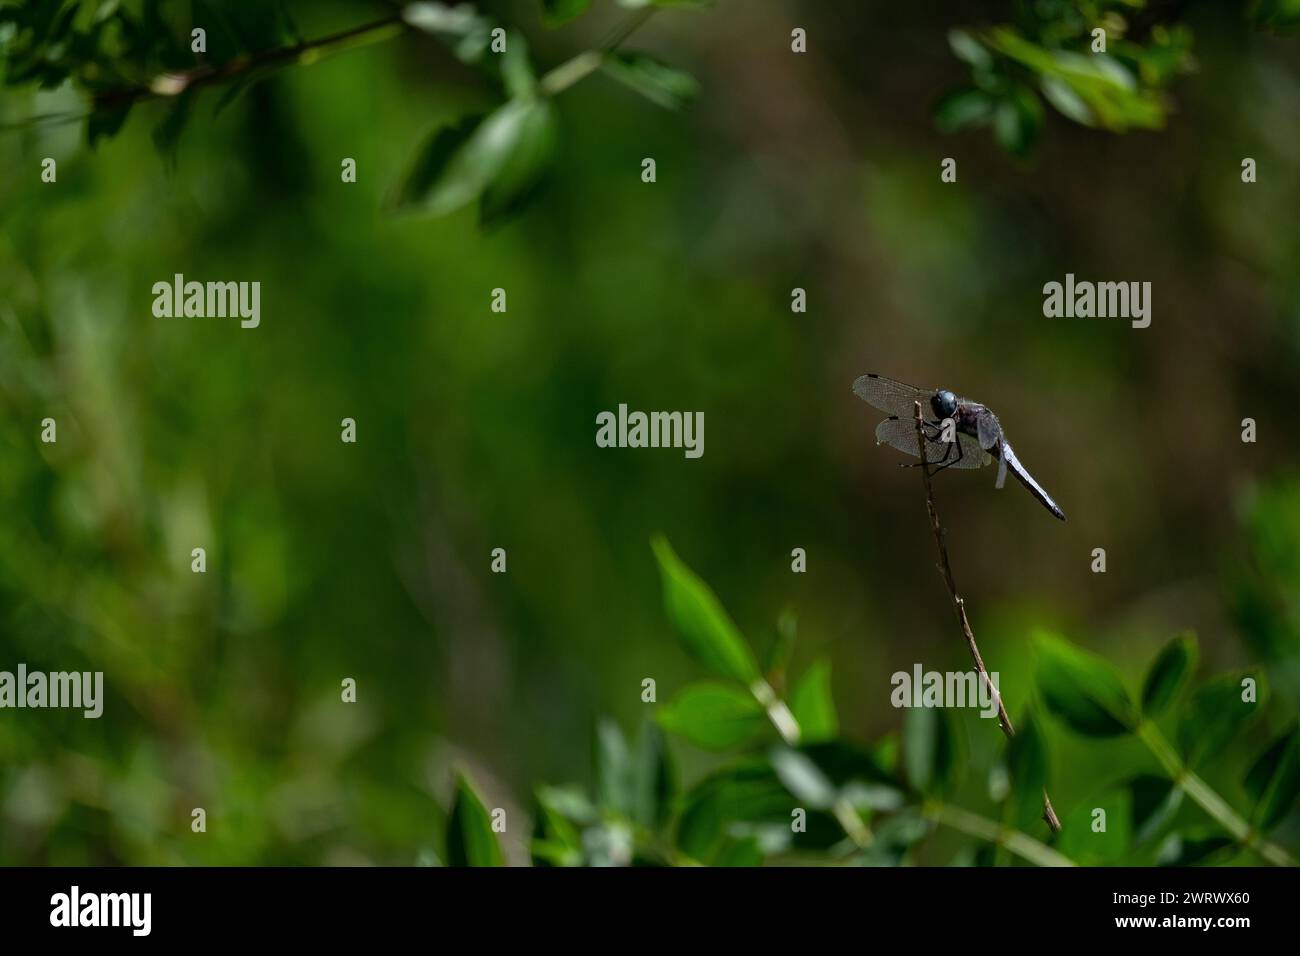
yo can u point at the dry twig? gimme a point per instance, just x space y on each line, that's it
959 607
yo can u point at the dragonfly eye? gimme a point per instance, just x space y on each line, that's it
945 403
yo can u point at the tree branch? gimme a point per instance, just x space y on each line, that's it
959 608
173 84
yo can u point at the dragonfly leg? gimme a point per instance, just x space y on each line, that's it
949 464
935 439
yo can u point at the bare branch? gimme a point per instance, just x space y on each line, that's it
959 608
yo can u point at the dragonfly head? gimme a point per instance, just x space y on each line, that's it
944 403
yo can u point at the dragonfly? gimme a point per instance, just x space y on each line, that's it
958 433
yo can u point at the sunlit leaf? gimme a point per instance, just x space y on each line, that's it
812 704
802 778
713 715
969 49
1067 102
459 26
526 164
702 624
498 159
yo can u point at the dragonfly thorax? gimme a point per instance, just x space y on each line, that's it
944 403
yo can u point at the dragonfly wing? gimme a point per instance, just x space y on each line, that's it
989 429
972 455
901 434
894 398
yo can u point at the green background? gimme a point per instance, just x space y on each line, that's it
476 429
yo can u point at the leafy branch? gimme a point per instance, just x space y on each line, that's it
875 806
1086 694
717 716
302 52
1106 64
498 159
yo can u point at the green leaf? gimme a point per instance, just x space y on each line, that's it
846 763
498 158
1095 89
556 12
873 796
656 81
745 852
441 180
1155 801
556 841
782 646
1169 674
526 165
970 50
1027 766
652 778
1214 716
929 749
812 704
516 70
713 716
1273 781
705 630
963 108
1192 847
802 778
746 798
614 772
1082 689
1018 120
105 122
569 802
1067 102
470 840
459 26
894 838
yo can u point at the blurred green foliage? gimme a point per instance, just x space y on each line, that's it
804 796
816 171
